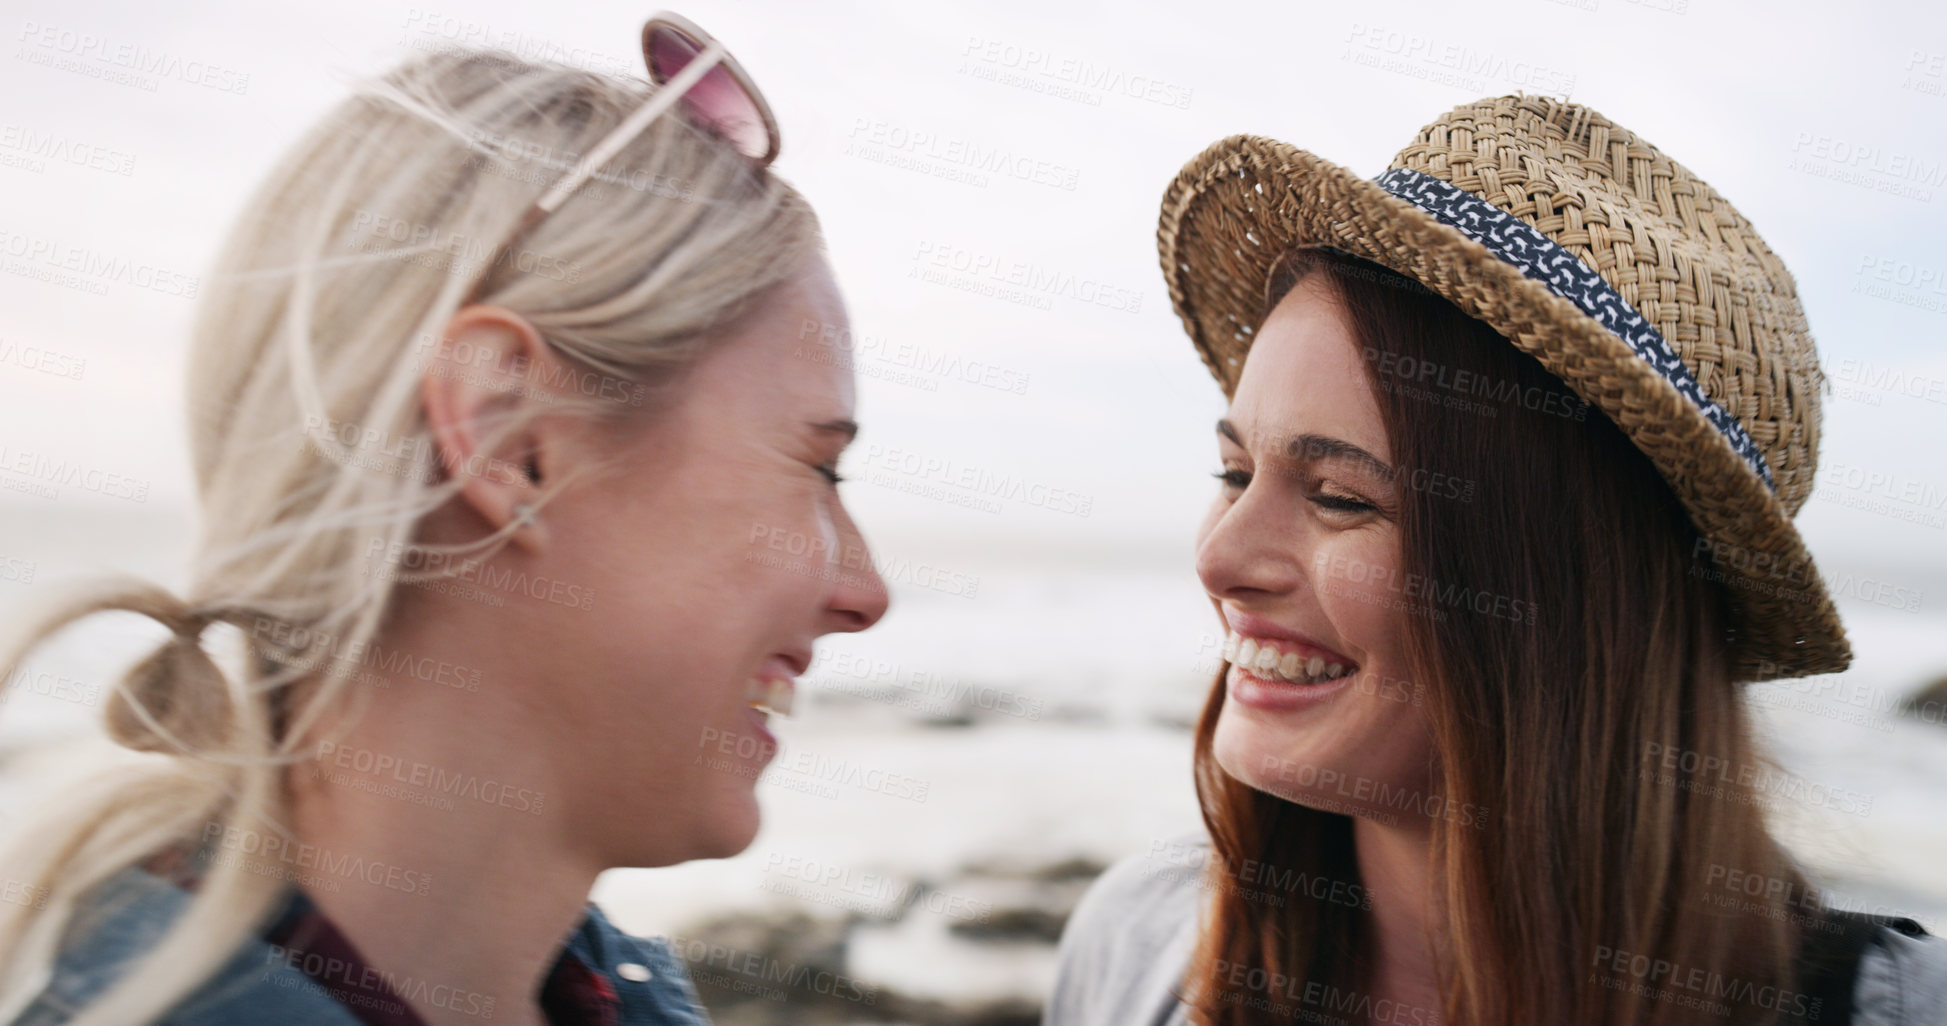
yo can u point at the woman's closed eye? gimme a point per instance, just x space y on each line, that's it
1342 503
1236 478
1233 478
831 473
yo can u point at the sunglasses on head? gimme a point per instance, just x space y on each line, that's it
690 68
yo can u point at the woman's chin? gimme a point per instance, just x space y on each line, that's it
732 827
1276 761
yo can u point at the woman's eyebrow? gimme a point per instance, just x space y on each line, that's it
1306 448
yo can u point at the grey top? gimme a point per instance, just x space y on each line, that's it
1123 952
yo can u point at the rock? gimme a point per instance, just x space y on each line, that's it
976 948
1027 900
756 970
1929 704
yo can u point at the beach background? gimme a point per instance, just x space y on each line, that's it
988 177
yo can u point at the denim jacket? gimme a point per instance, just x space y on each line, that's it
128 913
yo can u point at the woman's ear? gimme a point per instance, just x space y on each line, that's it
477 379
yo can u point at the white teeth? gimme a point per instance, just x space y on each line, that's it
1266 660
772 695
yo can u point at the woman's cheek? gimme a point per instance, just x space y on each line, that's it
827 530
1360 589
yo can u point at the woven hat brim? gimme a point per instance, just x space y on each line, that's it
1246 199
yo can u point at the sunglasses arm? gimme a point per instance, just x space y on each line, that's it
632 126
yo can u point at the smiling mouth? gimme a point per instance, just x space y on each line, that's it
769 695
1275 659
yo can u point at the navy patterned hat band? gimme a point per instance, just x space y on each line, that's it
1541 258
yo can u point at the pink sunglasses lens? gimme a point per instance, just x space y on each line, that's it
717 100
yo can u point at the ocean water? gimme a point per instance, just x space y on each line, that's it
1036 707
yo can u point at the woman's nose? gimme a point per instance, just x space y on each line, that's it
859 597
1251 548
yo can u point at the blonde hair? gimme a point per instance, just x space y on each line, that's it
312 458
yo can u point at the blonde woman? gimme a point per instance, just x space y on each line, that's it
1515 434
519 512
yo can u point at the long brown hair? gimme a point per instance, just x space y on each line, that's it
1596 847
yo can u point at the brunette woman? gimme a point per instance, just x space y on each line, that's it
1515 436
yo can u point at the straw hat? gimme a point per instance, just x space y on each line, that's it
1627 276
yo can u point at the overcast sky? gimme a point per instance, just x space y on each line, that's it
1824 124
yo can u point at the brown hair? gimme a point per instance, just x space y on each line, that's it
1555 726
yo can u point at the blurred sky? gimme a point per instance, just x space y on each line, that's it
1826 124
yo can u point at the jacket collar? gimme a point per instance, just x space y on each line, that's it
127 914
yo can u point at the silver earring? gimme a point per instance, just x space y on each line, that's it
523 514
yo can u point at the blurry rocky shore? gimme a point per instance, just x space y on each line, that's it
752 969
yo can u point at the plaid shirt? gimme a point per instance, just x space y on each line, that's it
573 994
